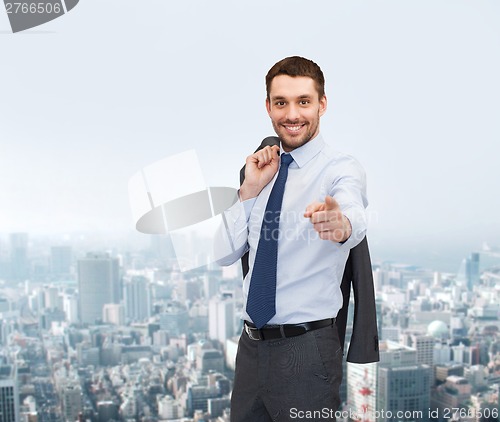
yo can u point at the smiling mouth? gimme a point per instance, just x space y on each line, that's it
293 128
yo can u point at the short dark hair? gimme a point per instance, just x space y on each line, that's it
297 66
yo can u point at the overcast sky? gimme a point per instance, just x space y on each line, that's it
90 98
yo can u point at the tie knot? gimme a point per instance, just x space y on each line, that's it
286 159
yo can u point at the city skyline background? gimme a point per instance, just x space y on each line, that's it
91 98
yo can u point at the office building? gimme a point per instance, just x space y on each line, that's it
221 319
402 383
424 346
107 411
50 298
455 393
70 307
113 313
9 396
231 347
137 298
169 408
198 396
445 370
209 360
61 259
98 284
472 270
4 305
406 387
174 319
468 274
71 401
362 388
19 264
217 406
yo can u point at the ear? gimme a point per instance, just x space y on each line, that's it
268 106
322 105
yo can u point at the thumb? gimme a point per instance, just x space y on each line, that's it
331 204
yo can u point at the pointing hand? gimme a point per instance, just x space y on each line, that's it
328 220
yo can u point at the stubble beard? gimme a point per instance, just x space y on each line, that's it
290 142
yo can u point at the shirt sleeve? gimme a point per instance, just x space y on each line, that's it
349 190
231 240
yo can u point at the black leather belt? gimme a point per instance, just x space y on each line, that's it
270 332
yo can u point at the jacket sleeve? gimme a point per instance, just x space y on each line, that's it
363 347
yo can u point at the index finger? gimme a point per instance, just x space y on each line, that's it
312 208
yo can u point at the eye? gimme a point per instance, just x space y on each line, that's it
279 103
304 102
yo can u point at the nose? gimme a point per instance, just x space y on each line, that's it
293 112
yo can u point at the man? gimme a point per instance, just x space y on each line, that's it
299 214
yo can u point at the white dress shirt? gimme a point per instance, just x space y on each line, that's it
309 269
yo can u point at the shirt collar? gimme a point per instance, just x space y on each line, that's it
306 152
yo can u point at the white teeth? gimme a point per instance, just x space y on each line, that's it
293 128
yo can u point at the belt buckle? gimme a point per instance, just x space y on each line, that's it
250 333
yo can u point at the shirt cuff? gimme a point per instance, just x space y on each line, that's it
248 206
357 218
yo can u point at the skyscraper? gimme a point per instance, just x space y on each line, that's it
402 383
60 262
174 319
423 344
98 284
137 297
9 396
468 274
52 298
472 270
19 265
71 401
362 389
221 321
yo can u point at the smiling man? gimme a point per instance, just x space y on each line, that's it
295 119
301 209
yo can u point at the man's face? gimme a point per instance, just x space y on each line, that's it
294 107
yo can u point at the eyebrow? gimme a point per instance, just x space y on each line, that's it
280 97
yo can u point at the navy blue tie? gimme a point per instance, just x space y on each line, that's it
261 301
